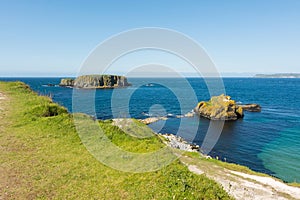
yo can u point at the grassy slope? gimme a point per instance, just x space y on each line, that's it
41 156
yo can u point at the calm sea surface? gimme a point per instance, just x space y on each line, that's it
267 142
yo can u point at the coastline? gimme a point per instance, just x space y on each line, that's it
43 157
170 140
239 181
181 144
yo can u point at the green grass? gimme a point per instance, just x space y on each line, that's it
42 157
295 184
129 143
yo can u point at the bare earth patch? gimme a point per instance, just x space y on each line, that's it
271 183
5 181
2 98
242 185
195 169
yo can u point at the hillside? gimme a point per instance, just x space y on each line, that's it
42 157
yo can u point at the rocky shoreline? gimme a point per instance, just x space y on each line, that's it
151 120
171 140
178 142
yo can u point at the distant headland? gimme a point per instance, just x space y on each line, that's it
95 82
279 75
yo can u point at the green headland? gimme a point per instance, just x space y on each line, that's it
42 157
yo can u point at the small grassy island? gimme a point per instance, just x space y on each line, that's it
95 82
42 157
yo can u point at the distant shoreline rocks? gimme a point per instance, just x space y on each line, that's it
280 75
151 120
95 82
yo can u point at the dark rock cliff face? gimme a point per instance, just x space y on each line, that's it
96 81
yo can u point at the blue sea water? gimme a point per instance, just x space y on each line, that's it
267 142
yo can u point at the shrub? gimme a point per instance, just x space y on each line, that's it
47 110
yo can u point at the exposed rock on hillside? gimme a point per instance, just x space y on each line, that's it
179 143
151 120
219 108
96 81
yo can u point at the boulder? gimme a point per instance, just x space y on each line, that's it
251 107
219 108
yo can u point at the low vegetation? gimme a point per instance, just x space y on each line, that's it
43 157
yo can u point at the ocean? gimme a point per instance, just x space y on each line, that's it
267 141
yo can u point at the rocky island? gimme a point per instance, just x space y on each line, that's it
224 108
95 82
219 108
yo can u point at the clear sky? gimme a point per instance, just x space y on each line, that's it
52 38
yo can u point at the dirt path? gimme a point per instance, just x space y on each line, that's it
3 172
9 176
242 185
3 98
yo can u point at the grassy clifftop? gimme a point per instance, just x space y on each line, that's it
42 156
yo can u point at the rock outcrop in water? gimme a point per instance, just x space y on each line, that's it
95 81
67 82
251 107
219 108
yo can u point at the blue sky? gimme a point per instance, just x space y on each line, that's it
52 38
